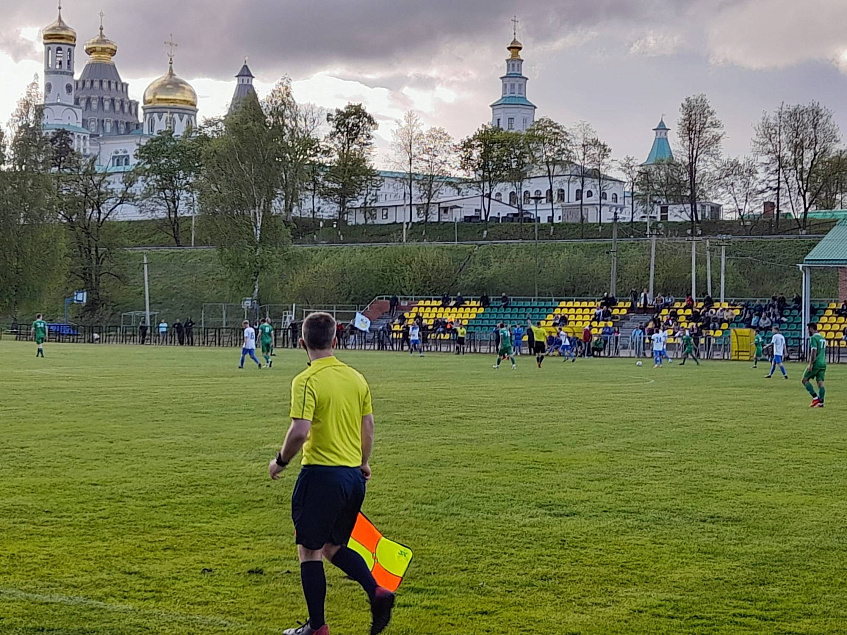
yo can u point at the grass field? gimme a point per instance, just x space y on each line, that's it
588 498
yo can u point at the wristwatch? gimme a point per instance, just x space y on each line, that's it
279 460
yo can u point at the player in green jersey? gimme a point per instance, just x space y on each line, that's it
688 348
39 330
266 332
505 346
817 367
759 343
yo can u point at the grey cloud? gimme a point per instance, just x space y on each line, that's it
18 48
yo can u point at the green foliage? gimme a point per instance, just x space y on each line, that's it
169 166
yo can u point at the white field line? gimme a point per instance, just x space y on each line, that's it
70 600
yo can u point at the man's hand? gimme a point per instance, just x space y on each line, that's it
274 469
366 471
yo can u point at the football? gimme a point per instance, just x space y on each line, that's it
638 363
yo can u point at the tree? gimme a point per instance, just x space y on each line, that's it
31 247
584 139
811 137
296 129
350 171
169 166
738 182
600 154
550 147
833 173
89 200
406 143
482 155
769 148
700 134
240 186
518 164
434 169
630 167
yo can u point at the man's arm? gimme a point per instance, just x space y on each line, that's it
367 444
296 436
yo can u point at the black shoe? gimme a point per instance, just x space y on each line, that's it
381 607
270 363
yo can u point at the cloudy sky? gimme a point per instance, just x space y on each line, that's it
619 64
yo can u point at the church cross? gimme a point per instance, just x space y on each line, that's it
515 22
172 46
101 20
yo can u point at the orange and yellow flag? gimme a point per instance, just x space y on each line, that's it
387 560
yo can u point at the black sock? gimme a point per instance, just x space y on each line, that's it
314 588
354 566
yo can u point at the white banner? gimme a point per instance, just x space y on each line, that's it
362 323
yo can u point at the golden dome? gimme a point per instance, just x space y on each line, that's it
59 32
515 48
101 48
170 90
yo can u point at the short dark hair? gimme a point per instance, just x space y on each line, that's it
38 317
319 331
813 326
247 322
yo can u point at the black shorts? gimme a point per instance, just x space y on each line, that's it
460 341
325 504
539 348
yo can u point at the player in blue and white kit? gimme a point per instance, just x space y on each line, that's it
415 340
566 347
778 344
658 339
665 346
249 345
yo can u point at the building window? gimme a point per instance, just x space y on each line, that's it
498 122
107 126
60 56
512 89
525 123
537 193
92 124
498 197
48 88
549 196
560 196
604 196
589 194
513 198
579 195
385 214
614 198
151 126
520 89
663 212
526 197
504 89
511 123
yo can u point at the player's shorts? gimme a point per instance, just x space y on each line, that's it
658 356
40 340
267 346
248 351
777 359
325 504
539 348
760 351
460 341
818 373
414 342
505 351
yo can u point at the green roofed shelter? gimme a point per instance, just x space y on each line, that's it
831 252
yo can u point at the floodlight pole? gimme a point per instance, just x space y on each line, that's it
652 261
723 273
694 268
614 284
709 269
146 294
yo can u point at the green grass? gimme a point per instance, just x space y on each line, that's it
588 498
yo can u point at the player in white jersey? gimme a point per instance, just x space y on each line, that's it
566 347
658 339
665 335
778 345
415 339
249 345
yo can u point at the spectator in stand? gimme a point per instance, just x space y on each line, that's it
339 335
842 310
445 299
393 303
607 314
142 332
484 300
383 337
708 303
530 337
402 319
404 337
765 322
598 314
689 301
189 331
459 301
669 301
659 302
638 341
646 300
633 300
781 302
797 302
505 301
563 320
556 319
606 335
586 341
616 341
163 332
180 332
